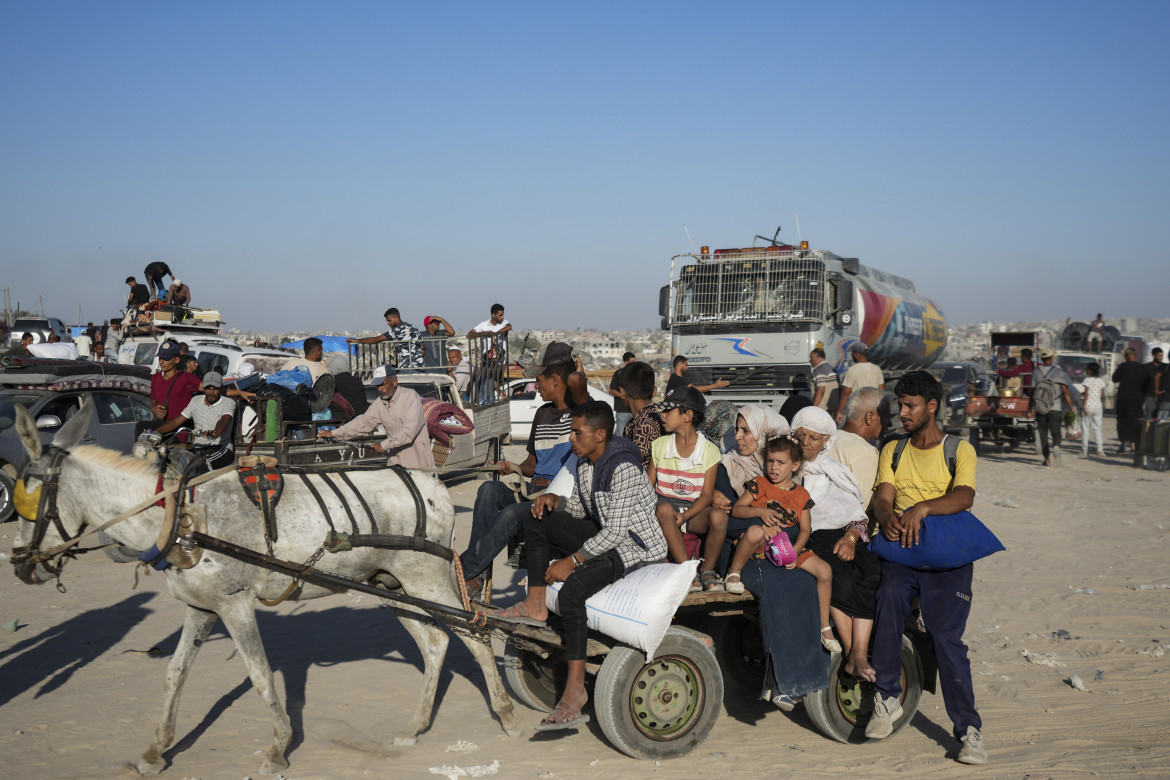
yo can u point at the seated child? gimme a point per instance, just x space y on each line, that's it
783 506
683 465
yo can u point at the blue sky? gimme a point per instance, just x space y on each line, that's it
307 165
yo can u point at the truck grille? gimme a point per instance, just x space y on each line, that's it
752 378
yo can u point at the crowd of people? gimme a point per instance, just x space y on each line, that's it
780 506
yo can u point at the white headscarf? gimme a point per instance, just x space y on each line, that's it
764 422
835 493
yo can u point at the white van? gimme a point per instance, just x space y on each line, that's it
226 358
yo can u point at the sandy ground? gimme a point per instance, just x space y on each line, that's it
1083 586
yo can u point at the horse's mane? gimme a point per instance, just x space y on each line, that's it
116 461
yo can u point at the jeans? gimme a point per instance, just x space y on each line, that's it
1163 410
1051 422
496 518
946 603
568 533
1091 423
620 421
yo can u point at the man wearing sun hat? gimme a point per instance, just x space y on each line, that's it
399 411
1051 422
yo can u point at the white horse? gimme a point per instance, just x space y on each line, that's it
96 485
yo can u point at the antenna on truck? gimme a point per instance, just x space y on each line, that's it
774 240
688 232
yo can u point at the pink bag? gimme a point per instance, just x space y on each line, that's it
779 550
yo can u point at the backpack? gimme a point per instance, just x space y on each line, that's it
1044 395
950 452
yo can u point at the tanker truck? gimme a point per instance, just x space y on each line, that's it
752 315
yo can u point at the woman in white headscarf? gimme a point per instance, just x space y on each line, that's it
789 615
838 525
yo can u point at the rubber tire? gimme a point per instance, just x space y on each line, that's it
534 681
7 486
118 553
828 707
739 646
624 673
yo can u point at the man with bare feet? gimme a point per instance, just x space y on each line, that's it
611 529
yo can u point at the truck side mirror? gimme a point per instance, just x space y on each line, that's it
844 310
664 306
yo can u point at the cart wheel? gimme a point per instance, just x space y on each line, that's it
842 710
661 709
535 681
739 646
119 553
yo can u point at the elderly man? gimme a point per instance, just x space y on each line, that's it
864 422
399 411
861 374
314 351
459 370
211 418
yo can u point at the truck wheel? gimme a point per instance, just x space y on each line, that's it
662 709
842 710
535 681
119 553
739 646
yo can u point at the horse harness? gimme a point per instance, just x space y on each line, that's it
40 506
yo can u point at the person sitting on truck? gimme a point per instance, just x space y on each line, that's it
498 516
1096 331
925 487
405 338
139 295
1012 384
314 351
349 395
493 352
607 524
434 343
679 378
211 418
399 411
861 374
684 465
459 370
645 426
179 294
154 273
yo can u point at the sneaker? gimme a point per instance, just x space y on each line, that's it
972 751
784 702
885 712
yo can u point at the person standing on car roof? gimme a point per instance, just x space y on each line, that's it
139 295
154 274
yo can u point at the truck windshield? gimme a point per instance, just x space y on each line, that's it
1074 366
743 289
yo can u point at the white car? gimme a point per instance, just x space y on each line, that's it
525 401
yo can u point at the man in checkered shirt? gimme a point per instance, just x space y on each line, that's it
612 529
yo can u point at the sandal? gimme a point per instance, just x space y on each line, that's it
562 717
733 583
828 642
710 580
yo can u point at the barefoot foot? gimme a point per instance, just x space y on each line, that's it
861 669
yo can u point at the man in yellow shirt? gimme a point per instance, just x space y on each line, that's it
920 486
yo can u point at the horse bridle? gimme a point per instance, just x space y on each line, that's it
49 476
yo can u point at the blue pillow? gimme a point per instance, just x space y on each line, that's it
944 542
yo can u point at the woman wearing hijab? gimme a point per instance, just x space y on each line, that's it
795 665
838 525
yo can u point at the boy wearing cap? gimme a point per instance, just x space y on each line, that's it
1052 421
683 468
399 411
211 418
861 374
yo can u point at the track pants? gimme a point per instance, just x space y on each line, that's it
946 602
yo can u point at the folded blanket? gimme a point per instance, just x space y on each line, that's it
445 420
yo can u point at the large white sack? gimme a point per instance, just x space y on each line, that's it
638 608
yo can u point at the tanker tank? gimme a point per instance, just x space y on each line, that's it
903 330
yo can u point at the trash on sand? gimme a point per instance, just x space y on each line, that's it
1007 503
1043 659
1075 682
453 772
463 746
11 625
1100 674
1062 634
